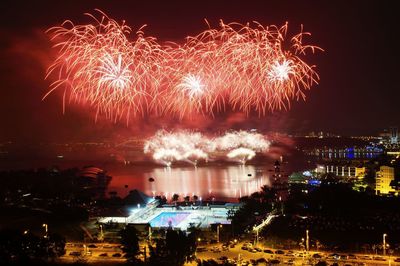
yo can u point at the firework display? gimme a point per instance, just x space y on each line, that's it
234 67
242 145
167 147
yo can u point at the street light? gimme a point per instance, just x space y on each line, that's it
384 244
150 234
307 242
46 229
220 225
256 237
303 246
101 238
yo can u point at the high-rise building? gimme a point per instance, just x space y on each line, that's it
384 177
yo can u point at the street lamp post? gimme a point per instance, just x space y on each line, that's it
150 233
307 241
257 237
101 238
220 225
384 244
46 230
198 243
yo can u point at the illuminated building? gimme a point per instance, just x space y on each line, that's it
383 179
348 171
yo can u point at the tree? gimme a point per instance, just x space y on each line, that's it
29 249
161 199
130 242
187 198
175 249
55 245
175 198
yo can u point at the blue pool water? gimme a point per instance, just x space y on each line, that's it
166 219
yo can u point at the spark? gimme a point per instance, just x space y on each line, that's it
280 71
235 67
242 154
167 147
192 85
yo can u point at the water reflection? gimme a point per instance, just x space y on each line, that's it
219 182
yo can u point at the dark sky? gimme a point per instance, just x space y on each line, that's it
358 91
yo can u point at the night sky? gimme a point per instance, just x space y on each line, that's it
358 91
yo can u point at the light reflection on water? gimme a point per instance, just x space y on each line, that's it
207 182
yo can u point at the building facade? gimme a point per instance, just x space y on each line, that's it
345 171
384 177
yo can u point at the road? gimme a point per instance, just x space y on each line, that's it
294 257
93 252
106 252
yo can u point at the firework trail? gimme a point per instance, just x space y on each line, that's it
167 147
242 145
239 67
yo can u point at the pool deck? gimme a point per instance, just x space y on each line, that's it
198 217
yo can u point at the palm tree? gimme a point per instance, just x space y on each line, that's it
175 198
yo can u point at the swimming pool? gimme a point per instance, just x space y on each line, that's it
166 219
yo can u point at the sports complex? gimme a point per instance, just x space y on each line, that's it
170 216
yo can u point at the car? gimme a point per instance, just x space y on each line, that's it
223 258
103 255
232 246
244 248
75 253
201 249
397 260
225 248
334 256
316 256
268 251
289 253
117 255
351 257
253 250
279 252
258 249
261 260
215 249
365 257
92 246
379 258
274 261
